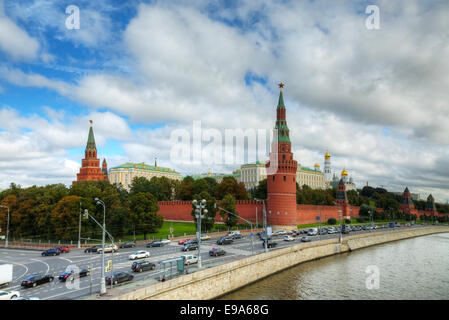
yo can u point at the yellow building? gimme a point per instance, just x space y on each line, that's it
125 173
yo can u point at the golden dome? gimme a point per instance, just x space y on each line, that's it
344 172
327 155
317 165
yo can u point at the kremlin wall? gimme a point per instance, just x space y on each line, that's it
281 207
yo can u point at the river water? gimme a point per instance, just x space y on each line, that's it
416 268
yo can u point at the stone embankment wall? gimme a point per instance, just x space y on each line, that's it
216 281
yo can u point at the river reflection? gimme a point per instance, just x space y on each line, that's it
415 268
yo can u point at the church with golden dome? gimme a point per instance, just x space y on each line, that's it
348 181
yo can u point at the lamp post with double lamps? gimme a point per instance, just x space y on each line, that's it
7 226
200 209
103 280
264 224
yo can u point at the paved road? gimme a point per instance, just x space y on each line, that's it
31 262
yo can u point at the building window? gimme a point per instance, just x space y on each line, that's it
285 178
273 178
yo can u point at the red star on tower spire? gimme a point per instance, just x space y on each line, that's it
281 85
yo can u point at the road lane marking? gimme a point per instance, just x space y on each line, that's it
48 267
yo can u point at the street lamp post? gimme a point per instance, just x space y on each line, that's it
79 229
200 208
103 280
264 225
7 226
341 234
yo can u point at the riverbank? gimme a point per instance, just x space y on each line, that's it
220 280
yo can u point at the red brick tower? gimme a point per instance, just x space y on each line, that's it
431 209
281 173
104 169
90 165
342 199
407 205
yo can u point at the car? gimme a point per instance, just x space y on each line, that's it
127 245
82 273
92 249
156 244
236 236
305 239
23 298
36 279
312 232
108 248
205 237
189 259
9 295
183 241
64 249
165 241
231 233
215 252
322 231
141 266
289 238
51 252
190 247
192 241
119 277
270 244
331 230
139 255
224 240
279 233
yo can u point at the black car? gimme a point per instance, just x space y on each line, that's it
143 266
119 277
156 244
192 241
224 240
128 245
51 252
64 276
217 252
190 247
270 244
36 279
92 249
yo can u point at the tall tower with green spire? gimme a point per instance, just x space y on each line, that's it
90 165
281 172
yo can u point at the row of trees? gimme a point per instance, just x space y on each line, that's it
52 211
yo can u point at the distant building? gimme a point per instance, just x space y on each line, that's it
414 196
251 174
349 183
313 178
90 165
217 176
125 173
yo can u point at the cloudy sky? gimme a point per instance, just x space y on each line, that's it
377 99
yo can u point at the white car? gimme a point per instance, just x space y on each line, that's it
205 237
139 255
289 238
108 248
279 233
165 241
8 295
189 259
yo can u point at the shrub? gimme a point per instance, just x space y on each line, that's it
347 221
332 221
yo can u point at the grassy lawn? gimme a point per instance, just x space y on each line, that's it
179 229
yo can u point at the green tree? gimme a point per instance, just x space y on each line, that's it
261 190
228 203
144 210
230 186
64 218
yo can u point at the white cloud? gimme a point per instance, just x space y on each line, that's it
376 99
15 41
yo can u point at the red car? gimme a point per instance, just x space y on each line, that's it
64 249
183 241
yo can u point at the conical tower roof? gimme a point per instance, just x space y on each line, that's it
91 146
